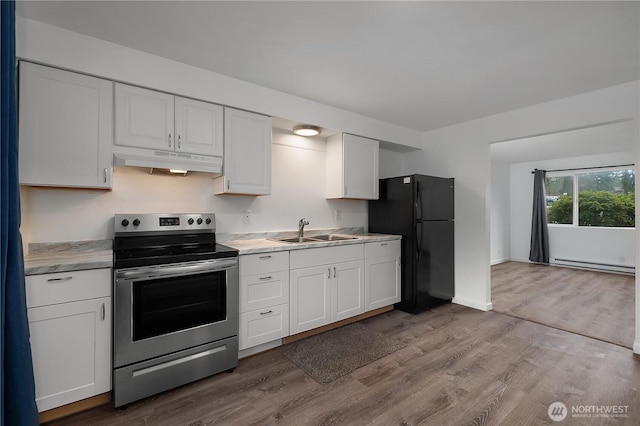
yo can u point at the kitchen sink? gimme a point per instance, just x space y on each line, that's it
314 239
331 237
294 240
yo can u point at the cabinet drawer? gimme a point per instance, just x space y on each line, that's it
326 255
260 263
264 325
61 287
264 290
382 248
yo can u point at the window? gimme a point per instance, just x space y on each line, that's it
605 198
559 199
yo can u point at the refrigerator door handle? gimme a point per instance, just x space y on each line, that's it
418 201
418 238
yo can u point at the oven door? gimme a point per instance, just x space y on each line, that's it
167 308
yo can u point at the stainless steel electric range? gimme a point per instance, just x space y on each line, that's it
175 303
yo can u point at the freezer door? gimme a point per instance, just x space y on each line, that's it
434 197
435 262
392 212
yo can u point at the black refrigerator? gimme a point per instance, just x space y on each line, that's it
420 208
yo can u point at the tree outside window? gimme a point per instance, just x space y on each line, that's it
605 198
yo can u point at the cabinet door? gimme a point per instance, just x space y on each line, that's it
71 350
66 128
199 127
144 118
310 301
348 289
382 282
352 167
247 154
360 167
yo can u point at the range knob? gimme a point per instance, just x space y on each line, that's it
199 221
136 222
208 221
190 221
124 222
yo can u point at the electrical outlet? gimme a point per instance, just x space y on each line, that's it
338 214
247 216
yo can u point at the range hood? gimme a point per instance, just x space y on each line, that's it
140 157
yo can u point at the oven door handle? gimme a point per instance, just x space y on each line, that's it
176 270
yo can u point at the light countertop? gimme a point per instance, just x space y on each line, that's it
266 245
46 258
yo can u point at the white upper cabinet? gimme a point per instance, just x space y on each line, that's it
352 167
247 154
156 120
199 127
66 128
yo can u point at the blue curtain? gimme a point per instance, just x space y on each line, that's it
17 389
539 250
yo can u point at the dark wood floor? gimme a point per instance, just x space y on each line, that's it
594 304
460 367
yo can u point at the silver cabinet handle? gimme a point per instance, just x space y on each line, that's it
51 280
334 272
228 183
169 140
266 313
103 312
105 175
329 269
266 278
384 244
179 141
264 257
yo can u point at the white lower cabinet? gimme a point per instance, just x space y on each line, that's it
382 274
70 325
310 298
327 285
264 298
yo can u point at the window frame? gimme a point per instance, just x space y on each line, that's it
576 194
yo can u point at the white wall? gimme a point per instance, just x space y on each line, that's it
55 214
601 245
392 163
500 213
462 152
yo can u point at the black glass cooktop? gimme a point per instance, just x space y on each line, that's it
131 252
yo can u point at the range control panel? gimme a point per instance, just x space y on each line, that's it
153 222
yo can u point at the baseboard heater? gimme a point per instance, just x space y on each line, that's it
609 267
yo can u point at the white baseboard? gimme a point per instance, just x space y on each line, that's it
499 261
473 304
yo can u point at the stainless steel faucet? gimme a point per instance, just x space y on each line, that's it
301 225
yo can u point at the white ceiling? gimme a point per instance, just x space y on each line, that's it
421 65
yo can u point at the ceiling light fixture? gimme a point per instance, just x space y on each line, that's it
306 130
